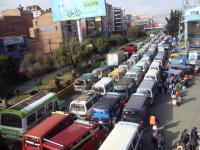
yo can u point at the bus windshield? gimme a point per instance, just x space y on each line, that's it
122 90
79 83
98 89
11 120
77 107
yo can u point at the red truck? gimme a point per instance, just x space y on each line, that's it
130 48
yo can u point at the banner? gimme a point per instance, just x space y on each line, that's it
63 10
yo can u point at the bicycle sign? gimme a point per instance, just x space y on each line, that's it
76 9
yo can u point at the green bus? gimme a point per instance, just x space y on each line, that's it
19 118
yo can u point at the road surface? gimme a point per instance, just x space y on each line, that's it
173 120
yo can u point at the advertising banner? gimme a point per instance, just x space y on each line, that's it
63 10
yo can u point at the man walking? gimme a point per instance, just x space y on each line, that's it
185 138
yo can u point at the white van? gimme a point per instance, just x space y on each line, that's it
102 71
148 87
103 86
81 106
152 74
155 65
143 65
124 136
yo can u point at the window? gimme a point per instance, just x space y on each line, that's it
135 140
11 120
41 113
31 119
49 107
89 105
11 48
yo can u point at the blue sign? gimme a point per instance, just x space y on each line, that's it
48 28
63 10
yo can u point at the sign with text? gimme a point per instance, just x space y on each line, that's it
13 40
63 10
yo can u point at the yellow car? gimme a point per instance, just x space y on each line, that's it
117 74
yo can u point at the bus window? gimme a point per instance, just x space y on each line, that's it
41 113
11 120
31 119
49 107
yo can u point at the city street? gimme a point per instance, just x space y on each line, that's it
175 119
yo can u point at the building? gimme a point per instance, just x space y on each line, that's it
13 22
144 21
98 26
117 17
35 10
126 22
14 46
192 26
50 35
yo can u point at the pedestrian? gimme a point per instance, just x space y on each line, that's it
159 88
194 139
161 140
179 146
185 137
153 120
154 136
166 87
194 132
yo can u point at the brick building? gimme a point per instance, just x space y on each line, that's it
48 34
15 23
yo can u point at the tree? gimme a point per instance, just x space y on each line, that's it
8 76
102 45
173 22
35 64
136 32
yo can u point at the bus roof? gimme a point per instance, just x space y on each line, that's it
84 97
68 136
85 76
152 72
116 71
136 102
107 101
28 105
120 137
104 81
146 84
47 125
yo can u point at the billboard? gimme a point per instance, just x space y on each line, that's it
13 40
76 9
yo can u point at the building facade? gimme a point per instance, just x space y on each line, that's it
118 19
14 46
13 22
49 35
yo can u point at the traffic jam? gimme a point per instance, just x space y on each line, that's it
113 106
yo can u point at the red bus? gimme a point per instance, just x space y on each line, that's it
81 135
33 139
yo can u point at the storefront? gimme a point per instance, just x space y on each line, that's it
14 46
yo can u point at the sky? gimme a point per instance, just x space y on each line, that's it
136 7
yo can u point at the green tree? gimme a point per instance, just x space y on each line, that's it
8 75
102 45
173 22
135 33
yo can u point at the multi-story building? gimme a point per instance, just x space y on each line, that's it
117 17
13 22
14 46
35 10
49 35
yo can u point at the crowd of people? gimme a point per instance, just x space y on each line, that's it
187 141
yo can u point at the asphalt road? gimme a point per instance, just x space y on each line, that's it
173 120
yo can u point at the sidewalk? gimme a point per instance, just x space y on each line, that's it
29 85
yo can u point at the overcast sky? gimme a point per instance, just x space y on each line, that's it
143 7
